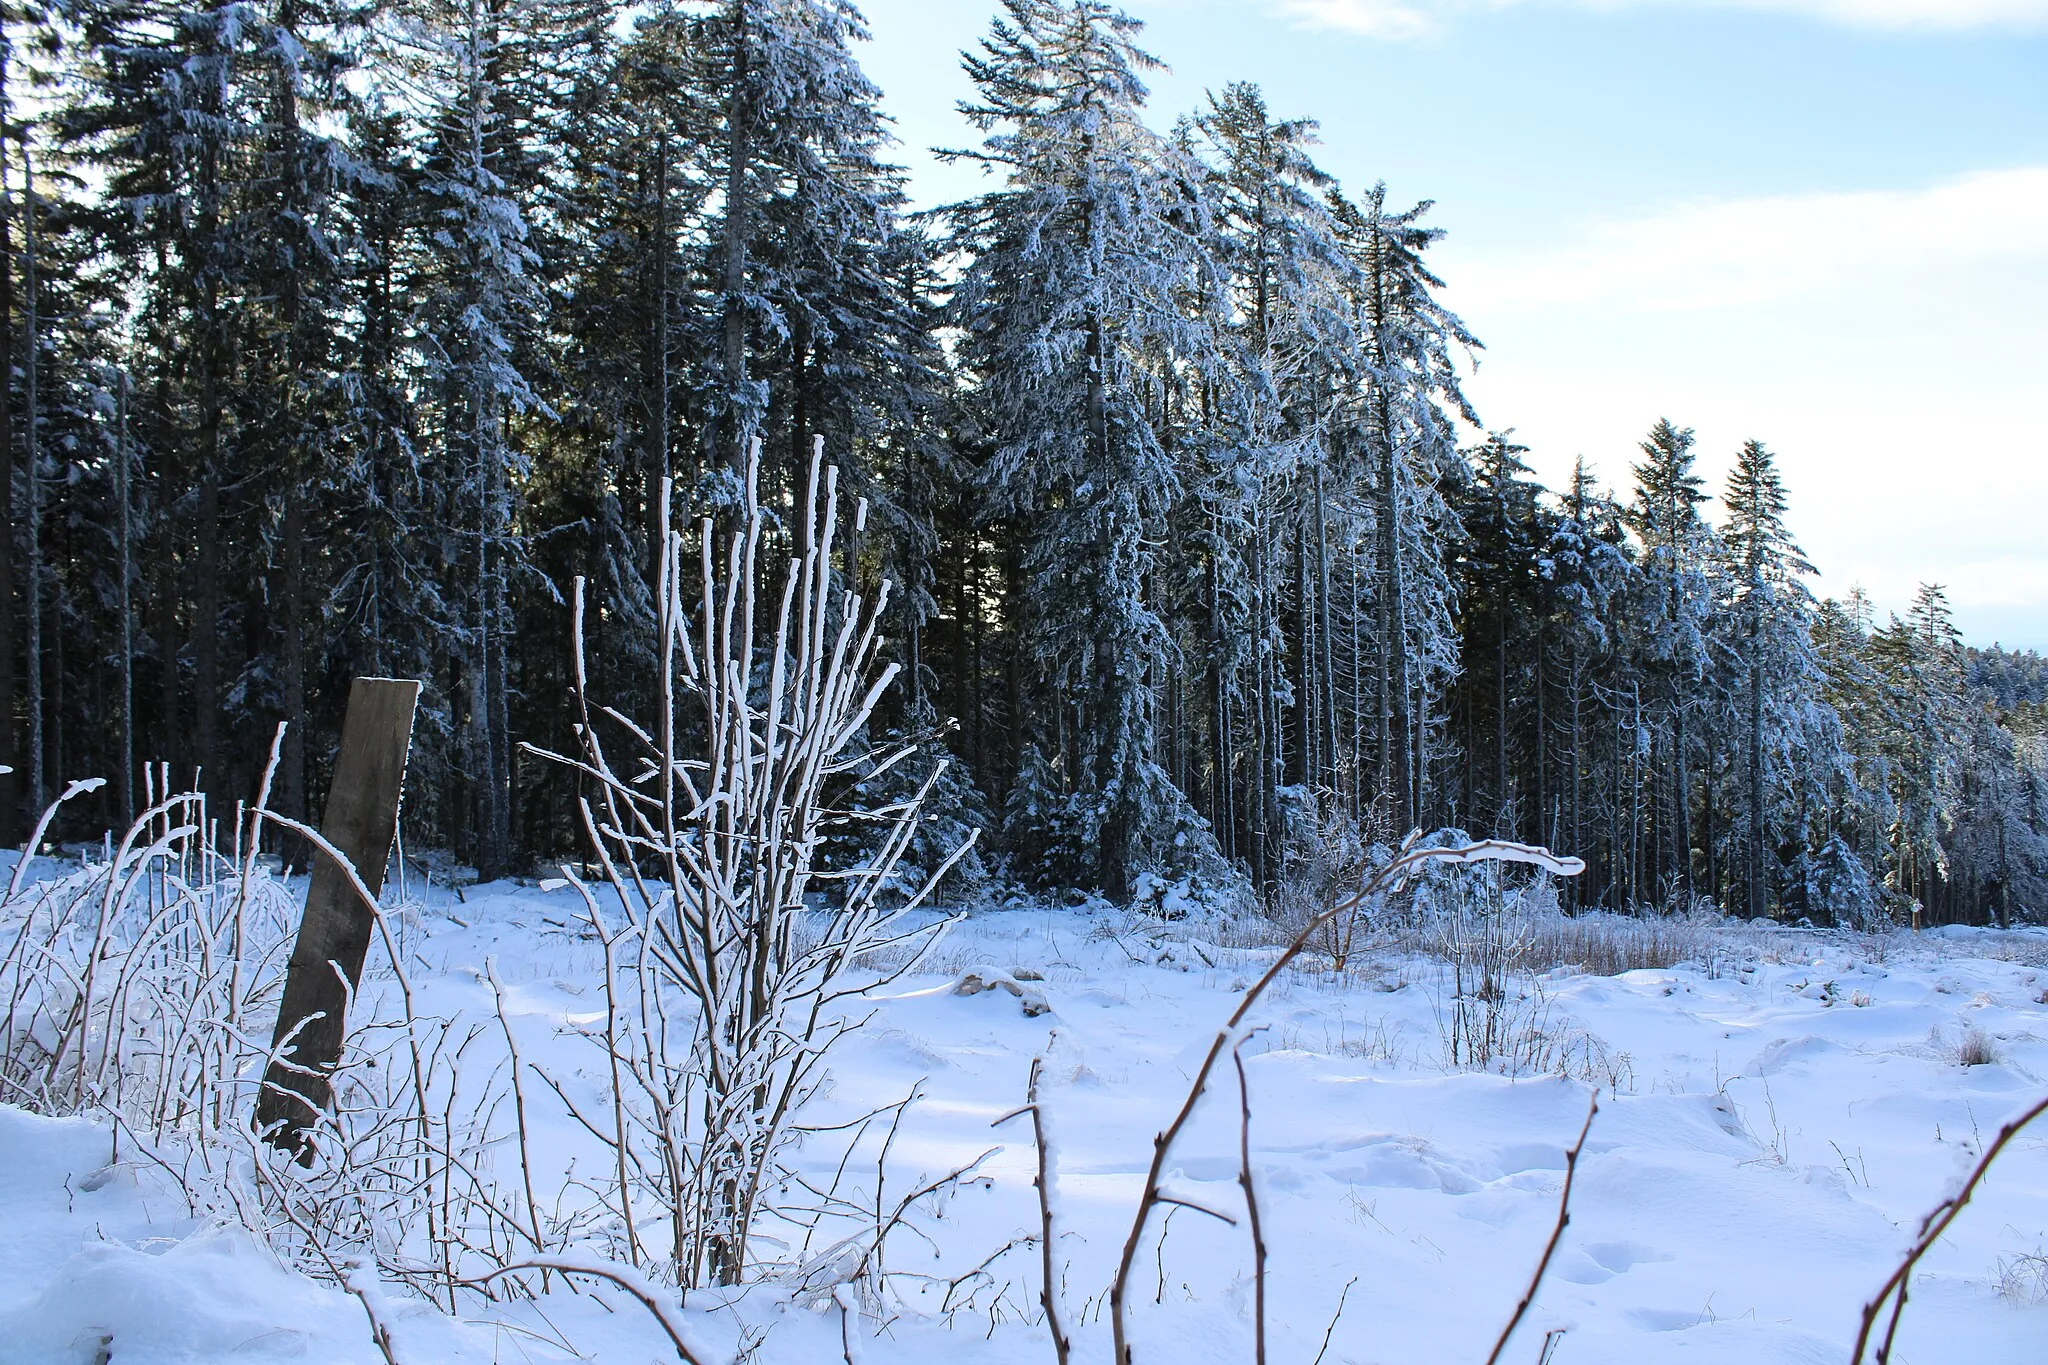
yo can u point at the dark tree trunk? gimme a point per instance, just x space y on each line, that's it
739 154
14 824
1758 898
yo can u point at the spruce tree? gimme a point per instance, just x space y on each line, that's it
1670 620
1078 273
1787 729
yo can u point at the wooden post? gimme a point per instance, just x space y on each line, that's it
326 965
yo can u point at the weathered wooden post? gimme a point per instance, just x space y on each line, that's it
326 965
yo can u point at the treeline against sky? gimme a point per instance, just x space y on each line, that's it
342 338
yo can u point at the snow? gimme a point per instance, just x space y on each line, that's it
1784 1113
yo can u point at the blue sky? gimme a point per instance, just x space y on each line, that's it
1819 223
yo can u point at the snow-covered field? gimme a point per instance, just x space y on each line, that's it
1776 1115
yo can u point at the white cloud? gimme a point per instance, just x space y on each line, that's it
1408 19
1746 251
1886 344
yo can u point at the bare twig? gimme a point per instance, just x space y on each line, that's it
1331 1330
532 1229
1932 1226
1564 1218
1251 1204
625 1277
1385 879
1049 1295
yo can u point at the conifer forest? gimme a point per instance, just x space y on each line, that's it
342 340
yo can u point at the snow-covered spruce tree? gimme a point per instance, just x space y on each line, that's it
492 79
739 139
1075 286
1669 620
1501 618
292 398
722 986
1271 506
1587 569
629 318
1791 739
1998 840
809 312
386 603
1923 729
1399 423
169 104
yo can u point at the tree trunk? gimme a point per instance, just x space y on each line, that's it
739 154
206 607
38 779
292 608
14 823
124 598
1758 902
1393 627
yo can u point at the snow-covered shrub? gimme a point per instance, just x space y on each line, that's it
140 987
1328 854
722 986
134 981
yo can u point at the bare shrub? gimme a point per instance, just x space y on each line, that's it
723 986
1495 1012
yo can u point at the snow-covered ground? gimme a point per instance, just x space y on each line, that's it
1776 1120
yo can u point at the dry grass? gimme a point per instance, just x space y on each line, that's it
2023 1278
1976 1049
